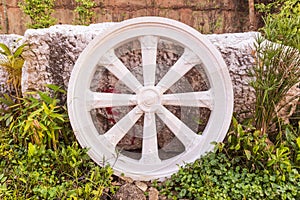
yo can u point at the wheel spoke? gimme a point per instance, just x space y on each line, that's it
111 62
150 148
119 130
180 130
104 100
149 51
193 99
185 63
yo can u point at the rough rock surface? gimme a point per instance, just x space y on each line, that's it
55 50
129 192
237 51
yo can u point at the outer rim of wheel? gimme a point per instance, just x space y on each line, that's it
82 123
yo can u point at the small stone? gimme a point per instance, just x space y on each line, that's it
129 192
141 185
126 179
153 194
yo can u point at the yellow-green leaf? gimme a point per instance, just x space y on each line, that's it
248 154
46 109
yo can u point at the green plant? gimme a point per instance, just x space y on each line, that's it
216 177
39 12
276 64
277 69
246 145
12 61
40 120
84 12
282 22
245 166
41 173
38 156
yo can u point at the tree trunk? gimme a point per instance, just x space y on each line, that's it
252 18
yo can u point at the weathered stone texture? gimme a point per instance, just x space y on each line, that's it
237 51
54 52
129 192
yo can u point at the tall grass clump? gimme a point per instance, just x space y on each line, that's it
277 67
276 71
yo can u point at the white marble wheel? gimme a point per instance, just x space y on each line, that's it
145 104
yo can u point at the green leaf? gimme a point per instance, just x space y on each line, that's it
19 50
255 148
240 130
271 162
10 123
248 154
2 178
57 116
55 88
27 125
43 126
45 97
31 149
6 51
7 100
298 141
46 109
23 180
237 147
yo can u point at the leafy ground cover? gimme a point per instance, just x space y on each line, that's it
246 166
39 158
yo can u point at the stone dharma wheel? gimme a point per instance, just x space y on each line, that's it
149 94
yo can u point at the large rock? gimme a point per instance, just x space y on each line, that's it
55 50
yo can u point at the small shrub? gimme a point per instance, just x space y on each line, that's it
246 166
282 22
84 12
41 173
41 121
39 12
276 64
216 177
12 61
276 71
38 156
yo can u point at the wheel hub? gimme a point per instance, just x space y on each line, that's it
148 99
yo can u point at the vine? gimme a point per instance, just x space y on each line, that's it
84 12
39 12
